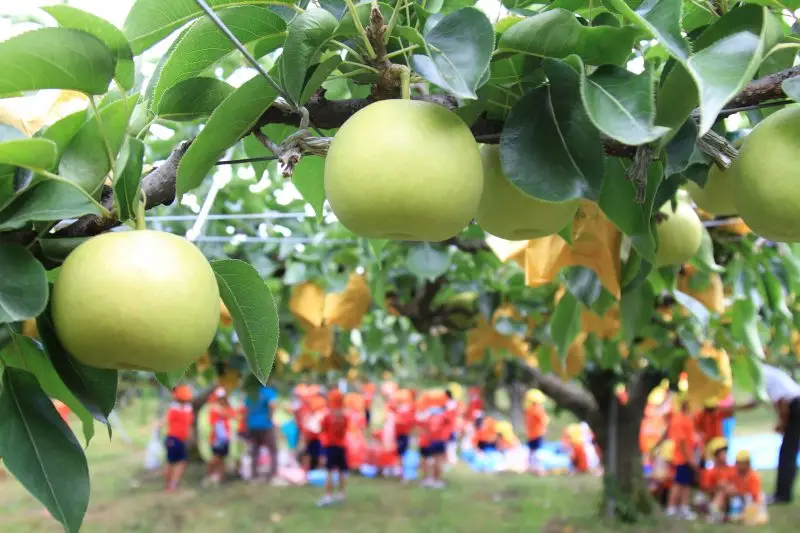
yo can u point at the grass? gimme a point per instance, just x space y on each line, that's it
126 499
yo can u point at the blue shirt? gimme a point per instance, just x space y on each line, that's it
259 415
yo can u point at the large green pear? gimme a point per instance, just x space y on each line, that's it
508 213
767 185
716 196
144 300
680 233
404 170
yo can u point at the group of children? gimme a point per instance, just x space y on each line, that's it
692 458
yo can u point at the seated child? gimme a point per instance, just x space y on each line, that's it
714 479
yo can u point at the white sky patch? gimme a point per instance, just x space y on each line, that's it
190 200
246 172
239 76
162 132
287 194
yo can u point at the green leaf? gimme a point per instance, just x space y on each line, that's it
41 451
86 159
23 284
636 308
150 21
306 35
170 379
96 388
426 262
203 45
549 147
697 309
226 125
126 183
704 257
25 354
47 201
57 249
681 148
321 74
792 88
191 99
620 104
726 56
255 317
307 177
110 35
62 131
565 324
460 47
558 34
618 202
584 284
33 153
55 58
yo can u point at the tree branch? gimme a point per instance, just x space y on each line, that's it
159 185
566 395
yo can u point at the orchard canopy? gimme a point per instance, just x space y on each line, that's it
580 195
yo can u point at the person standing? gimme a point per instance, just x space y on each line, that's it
784 394
261 428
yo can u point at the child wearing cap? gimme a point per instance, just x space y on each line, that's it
708 423
179 421
334 433
714 480
745 482
536 420
220 415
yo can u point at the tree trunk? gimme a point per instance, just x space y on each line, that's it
516 394
616 428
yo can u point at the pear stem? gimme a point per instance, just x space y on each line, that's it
140 223
405 82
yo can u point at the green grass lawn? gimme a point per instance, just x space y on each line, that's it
125 499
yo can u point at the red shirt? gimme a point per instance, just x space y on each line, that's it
179 421
403 419
220 414
709 423
475 407
681 431
334 428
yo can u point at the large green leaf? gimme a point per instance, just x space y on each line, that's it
150 21
306 35
41 451
86 159
129 175
203 45
558 34
23 284
459 48
618 201
255 316
25 354
566 323
55 58
192 99
725 57
319 76
427 262
110 35
227 124
549 147
47 201
96 388
33 153
620 103
308 178
636 308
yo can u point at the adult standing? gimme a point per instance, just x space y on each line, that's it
261 427
784 394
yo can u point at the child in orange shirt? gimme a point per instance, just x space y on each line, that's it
536 420
312 431
220 414
334 432
485 434
681 432
179 421
451 412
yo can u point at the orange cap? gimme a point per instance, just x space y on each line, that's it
182 393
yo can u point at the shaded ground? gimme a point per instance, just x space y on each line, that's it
126 500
